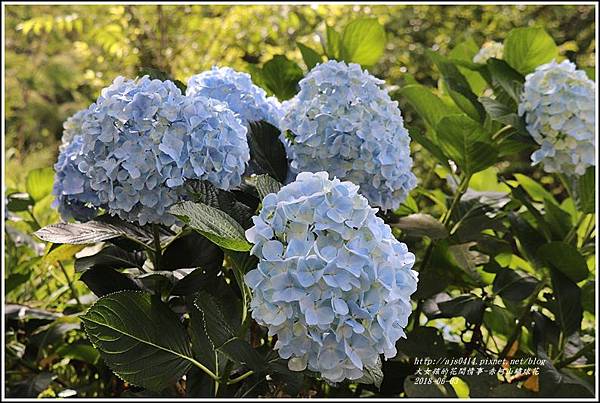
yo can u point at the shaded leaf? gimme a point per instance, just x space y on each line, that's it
421 225
511 285
566 259
311 57
372 374
111 257
281 76
265 185
190 251
508 79
267 150
468 306
105 280
128 329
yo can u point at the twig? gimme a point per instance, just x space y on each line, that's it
574 357
70 284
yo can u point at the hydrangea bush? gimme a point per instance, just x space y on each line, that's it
343 121
332 282
559 105
138 144
308 288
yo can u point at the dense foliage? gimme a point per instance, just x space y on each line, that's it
270 234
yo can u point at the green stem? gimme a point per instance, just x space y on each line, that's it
573 231
501 131
563 179
157 248
240 378
204 369
70 284
575 356
460 191
515 334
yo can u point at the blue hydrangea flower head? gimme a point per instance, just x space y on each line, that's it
238 91
559 105
143 139
488 50
342 121
74 197
72 127
332 282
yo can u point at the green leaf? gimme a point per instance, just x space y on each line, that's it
423 341
105 280
529 238
214 224
265 185
207 193
464 52
372 374
506 78
535 190
39 183
363 41
334 43
281 76
560 384
458 87
80 352
588 299
499 319
311 57
222 333
566 259
429 106
466 143
586 191
128 329
101 229
19 202
527 48
502 113
565 303
558 220
111 257
468 306
79 233
429 145
421 225
511 285
267 150
191 251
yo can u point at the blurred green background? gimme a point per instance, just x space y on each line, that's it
59 57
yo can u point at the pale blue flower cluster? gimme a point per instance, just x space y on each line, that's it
342 121
559 105
238 91
74 197
332 282
488 50
140 142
